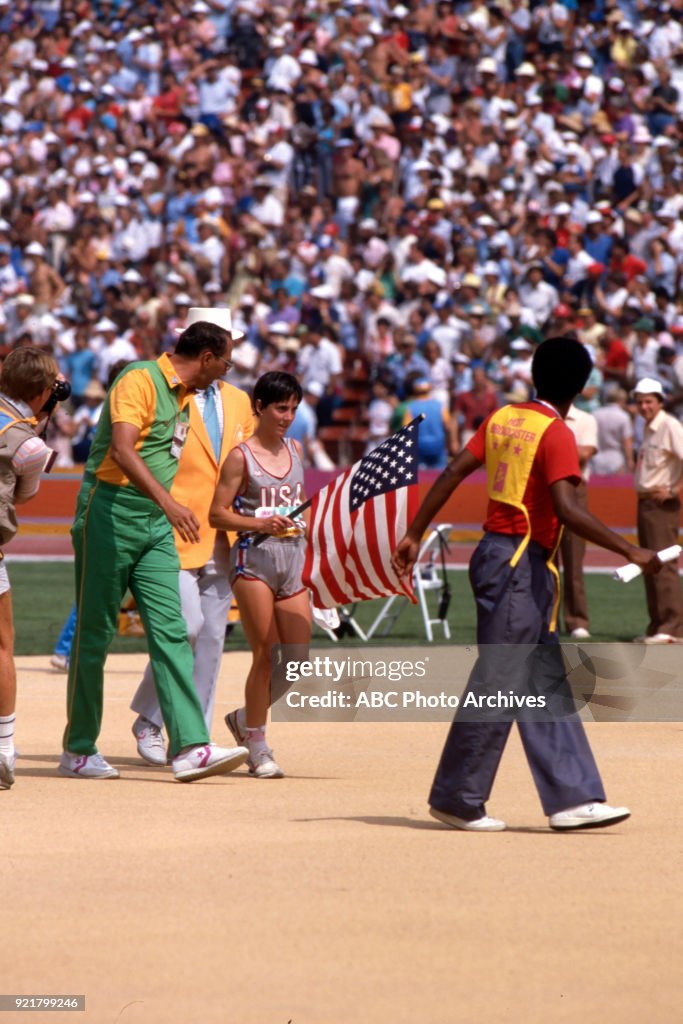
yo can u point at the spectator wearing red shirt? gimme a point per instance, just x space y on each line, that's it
79 117
624 262
472 407
613 357
168 105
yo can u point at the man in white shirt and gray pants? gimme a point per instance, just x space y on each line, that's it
657 480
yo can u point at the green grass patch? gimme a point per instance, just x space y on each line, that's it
43 595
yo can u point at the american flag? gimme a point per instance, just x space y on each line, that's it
356 522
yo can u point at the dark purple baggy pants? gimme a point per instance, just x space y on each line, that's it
513 607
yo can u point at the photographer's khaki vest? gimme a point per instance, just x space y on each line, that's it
14 430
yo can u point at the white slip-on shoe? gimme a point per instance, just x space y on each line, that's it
86 766
595 815
207 759
483 824
150 741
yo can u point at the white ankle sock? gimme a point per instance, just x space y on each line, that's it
7 734
256 738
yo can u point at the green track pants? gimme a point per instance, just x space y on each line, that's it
123 540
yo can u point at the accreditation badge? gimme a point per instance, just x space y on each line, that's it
179 436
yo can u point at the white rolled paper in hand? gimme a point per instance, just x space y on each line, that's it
626 573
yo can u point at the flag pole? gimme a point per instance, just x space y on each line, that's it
260 537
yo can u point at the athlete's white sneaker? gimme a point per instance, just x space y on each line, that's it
596 815
262 766
580 633
483 824
86 766
59 662
207 759
150 740
6 770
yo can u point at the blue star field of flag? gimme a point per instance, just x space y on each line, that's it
390 466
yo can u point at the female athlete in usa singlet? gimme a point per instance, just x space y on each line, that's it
261 483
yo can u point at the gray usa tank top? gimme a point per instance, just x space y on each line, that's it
265 494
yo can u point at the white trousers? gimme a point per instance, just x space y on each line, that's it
205 599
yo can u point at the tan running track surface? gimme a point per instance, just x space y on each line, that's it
330 897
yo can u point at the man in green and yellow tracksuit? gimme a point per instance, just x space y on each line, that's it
123 539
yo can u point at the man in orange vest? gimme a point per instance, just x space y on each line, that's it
533 470
220 418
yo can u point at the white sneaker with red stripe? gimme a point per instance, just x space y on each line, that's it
150 741
86 766
207 759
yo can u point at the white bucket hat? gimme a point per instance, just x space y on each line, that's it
221 317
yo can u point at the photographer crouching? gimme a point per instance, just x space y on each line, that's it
29 389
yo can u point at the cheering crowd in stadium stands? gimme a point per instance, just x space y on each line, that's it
396 202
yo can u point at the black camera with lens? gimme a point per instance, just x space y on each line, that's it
61 389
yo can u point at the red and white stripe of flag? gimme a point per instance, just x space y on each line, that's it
348 557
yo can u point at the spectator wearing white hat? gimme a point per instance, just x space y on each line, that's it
320 359
266 208
130 240
281 69
494 289
85 420
112 348
218 94
57 218
645 350
538 295
147 60
21 319
45 283
551 21
209 251
658 477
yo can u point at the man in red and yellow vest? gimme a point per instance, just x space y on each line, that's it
532 471
205 594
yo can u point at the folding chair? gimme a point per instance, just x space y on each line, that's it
429 573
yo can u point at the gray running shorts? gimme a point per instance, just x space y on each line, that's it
278 562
